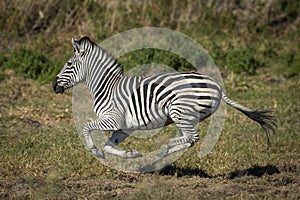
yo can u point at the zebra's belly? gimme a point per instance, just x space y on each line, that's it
147 120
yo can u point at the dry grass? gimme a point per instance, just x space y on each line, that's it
42 155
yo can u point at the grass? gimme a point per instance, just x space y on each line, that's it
41 154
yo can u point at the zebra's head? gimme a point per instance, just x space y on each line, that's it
73 71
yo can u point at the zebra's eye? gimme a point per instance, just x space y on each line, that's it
69 63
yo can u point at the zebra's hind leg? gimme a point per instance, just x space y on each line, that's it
116 138
188 136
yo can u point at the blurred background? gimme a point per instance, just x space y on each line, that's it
240 35
254 43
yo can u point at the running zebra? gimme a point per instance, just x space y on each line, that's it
124 104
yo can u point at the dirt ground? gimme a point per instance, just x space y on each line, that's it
266 182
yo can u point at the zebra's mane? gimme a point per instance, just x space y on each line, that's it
86 41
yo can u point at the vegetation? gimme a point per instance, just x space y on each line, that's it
256 33
255 44
31 64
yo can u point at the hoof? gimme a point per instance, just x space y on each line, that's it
167 150
98 153
133 154
122 154
160 154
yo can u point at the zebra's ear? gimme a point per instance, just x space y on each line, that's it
76 45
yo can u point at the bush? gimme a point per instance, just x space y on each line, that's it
291 62
30 64
242 60
236 60
147 56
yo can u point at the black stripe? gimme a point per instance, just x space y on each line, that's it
122 92
196 85
106 88
103 83
138 90
135 107
187 96
193 76
152 88
169 100
177 110
145 89
164 95
204 85
151 99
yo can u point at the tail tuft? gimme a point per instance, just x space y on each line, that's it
263 117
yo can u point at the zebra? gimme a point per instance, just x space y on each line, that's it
125 103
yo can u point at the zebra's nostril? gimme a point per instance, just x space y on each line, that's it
57 88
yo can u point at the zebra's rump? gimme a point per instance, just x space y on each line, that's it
195 98
155 101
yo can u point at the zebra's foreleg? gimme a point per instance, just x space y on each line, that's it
89 142
103 124
115 139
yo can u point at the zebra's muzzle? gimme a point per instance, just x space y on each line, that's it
57 88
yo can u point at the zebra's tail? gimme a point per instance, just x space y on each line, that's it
263 117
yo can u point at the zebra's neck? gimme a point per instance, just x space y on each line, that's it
103 74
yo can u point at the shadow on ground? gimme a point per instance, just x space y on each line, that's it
257 171
179 172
